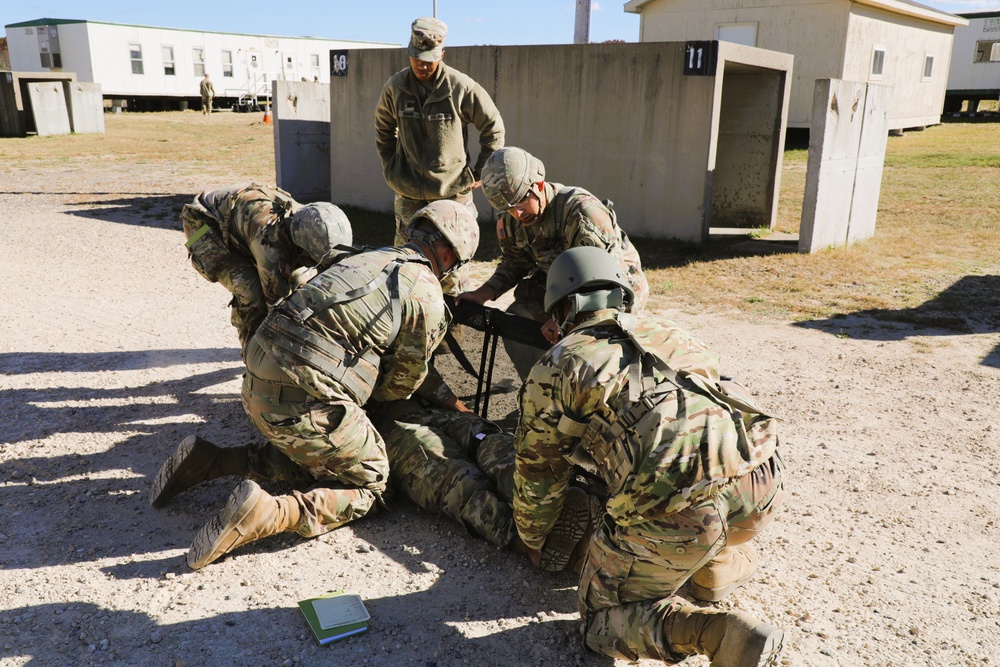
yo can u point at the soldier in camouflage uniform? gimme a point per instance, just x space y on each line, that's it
363 328
251 238
691 465
538 220
461 465
421 127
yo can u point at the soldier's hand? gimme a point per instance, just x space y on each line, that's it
477 296
551 331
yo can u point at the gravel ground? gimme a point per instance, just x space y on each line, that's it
112 349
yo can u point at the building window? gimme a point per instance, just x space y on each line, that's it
737 33
168 61
987 52
199 61
878 61
135 53
227 64
314 60
928 67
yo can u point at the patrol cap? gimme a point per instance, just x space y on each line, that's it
508 175
427 39
587 269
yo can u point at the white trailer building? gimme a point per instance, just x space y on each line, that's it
896 43
975 63
162 67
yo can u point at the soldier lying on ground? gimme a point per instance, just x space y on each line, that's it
692 469
365 327
461 465
251 238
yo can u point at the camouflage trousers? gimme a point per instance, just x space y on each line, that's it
334 446
632 573
212 257
405 208
528 302
452 463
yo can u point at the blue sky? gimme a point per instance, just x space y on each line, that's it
469 23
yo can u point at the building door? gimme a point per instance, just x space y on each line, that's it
288 67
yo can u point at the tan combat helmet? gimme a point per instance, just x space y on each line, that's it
590 277
508 175
319 228
454 222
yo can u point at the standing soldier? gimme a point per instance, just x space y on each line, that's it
692 469
421 127
207 93
251 238
363 328
539 220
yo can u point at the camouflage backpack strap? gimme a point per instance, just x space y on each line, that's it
559 202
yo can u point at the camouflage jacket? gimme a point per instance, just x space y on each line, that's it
251 219
421 138
685 445
361 329
585 221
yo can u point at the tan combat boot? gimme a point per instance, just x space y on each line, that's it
728 638
733 567
195 461
574 523
249 515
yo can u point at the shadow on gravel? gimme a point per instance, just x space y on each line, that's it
157 211
969 306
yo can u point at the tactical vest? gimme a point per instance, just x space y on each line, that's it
286 328
605 447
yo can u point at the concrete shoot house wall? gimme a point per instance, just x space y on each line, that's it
679 154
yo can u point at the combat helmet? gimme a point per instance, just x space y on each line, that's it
591 278
508 175
453 221
318 228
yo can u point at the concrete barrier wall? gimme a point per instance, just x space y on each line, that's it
86 107
302 139
48 106
621 120
850 126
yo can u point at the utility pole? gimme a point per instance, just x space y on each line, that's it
582 33
435 8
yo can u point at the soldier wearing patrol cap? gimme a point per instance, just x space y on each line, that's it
421 123
537 221
690 462
253 238
365 327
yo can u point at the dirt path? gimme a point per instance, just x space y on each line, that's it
112 350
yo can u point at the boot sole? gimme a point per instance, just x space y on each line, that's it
207 545
567 531
161 492
764 647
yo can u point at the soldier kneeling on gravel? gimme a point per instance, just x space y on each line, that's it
691 465
365 327
462 466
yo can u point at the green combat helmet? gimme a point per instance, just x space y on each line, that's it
508 175
591 278
319 228
453 221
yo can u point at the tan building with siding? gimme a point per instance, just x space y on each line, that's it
897 43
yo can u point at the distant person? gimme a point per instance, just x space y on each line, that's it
207 93
421 126
251 238
537 221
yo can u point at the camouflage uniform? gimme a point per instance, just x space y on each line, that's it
315 361
685 475
577 218
236 237
454 463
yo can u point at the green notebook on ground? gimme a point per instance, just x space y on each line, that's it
335 615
